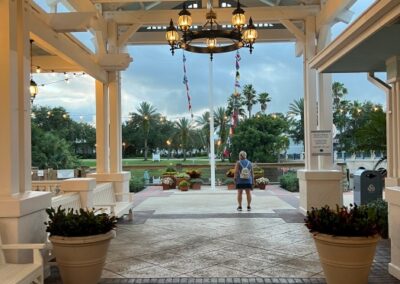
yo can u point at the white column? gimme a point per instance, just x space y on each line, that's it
21 212
319 184
310 94
102 129
115 123
211 105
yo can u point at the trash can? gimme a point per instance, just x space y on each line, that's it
367 186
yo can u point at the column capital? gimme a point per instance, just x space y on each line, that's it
393 69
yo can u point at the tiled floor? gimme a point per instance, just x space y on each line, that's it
198 237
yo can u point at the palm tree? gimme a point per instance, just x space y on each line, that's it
235 102
338 93
249 97
296 109
221 121
204 123
184 127
264 99
145 115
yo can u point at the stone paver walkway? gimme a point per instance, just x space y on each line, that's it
199 237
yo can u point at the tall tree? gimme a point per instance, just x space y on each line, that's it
184 127
145 115
338 93
296 114
204 123
235 105
221 121
264 99
249 94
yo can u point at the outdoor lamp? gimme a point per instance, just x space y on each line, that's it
250 34
211 42
238 18
172 35
33 89
185 19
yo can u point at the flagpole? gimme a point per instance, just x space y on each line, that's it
211 106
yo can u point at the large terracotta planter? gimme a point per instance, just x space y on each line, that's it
81 259
165 186
261 186
231 186
346 259
184 188
196 185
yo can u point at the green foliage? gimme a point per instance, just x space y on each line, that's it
182 175
51 151
229 181
136 184
289 181
258 172
78 224
352 221
381 207
184 183
264 99
296 121
250 99
261 137
196 180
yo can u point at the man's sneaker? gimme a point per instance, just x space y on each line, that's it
239 208
248 208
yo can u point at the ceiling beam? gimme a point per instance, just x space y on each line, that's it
123 38
331 11
265 35
52 63
71 22
65 47
224 15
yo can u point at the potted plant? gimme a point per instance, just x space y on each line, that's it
230 183
167 182
80 242
258 172
194 173
262 182
195 183
170 172
181 177
184 185
346 240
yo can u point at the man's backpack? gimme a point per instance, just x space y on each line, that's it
245 172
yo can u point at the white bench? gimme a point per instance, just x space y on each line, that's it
156 157
22 273
104 199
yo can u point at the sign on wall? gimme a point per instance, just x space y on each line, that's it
321 142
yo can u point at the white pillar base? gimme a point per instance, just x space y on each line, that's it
392 196
319 188
22 218
120 182
85 187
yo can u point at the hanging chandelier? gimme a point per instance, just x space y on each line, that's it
204 40
33 87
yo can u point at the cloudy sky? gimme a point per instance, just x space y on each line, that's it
156 76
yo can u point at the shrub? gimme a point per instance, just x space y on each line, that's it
182 175
352 221
136 184
381 208
79 223
289 181
196 180
258 172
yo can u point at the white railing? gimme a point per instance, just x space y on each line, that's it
67 200
53 186
104 193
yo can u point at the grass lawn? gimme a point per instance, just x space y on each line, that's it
163 162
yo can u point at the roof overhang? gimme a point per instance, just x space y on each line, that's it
366 44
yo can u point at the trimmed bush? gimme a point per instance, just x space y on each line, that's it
136 184
289 181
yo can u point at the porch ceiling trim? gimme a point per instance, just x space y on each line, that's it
380 14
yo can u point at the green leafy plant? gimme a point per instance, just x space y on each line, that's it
352 221
229 181
136 184
184 183
194 173
67 223
182 175
170 169
196 180
289 181
258 172
381 208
